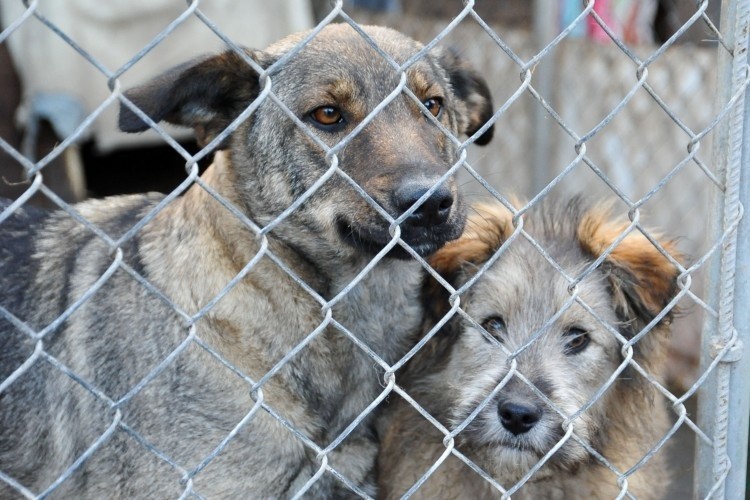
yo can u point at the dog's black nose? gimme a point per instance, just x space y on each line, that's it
518 418
435 210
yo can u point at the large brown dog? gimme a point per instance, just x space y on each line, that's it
103 411
565 353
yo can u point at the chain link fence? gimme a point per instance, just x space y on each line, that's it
659 129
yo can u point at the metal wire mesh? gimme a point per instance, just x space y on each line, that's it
720 177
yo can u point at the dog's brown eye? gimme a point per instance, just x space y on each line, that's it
579 340
495 326
327 115
434 105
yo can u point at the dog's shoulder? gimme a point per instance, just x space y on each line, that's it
17 233
40 248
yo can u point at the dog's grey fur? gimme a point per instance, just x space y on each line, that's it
461 367
192 249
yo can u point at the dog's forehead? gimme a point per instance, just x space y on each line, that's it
339 65
520 279
338 52
524 286
341 40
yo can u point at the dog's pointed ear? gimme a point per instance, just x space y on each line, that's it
642 280
487 228
206 94
473 92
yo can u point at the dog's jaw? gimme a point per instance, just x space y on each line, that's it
371 242
508 457
371 239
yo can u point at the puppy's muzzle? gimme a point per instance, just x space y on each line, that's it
519 417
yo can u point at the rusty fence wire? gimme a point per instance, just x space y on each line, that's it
720 425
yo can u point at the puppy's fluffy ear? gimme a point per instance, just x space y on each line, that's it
487 228
206 93
473 92
643 281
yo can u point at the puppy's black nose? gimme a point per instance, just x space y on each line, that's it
435 210
518 418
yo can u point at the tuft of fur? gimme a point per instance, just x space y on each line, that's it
489 227
463 368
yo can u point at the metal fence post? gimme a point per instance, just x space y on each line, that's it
739 403
724 399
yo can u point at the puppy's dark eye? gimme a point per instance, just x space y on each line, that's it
578 341
495 326
327 116
434 105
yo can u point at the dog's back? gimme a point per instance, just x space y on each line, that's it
48 262
17 233
16 346
92 399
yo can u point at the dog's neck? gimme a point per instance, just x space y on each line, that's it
382 308
386 298
328 274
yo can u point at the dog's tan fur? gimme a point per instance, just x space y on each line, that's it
459 367
117 343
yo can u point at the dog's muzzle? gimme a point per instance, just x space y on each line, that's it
436 221
434 211
519 417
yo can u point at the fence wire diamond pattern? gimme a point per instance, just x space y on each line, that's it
722 341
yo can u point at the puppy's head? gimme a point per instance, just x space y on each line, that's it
564 351
331 87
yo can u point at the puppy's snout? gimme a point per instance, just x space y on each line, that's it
518 417
435 210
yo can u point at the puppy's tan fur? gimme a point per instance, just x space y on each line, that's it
460 367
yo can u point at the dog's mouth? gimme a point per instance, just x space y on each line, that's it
506 451
486 430
510 459
508 462
423 240
481 437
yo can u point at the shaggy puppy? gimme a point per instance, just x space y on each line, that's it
536 372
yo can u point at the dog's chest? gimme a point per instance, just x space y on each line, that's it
340 378
383 310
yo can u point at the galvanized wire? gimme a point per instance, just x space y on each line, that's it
726 341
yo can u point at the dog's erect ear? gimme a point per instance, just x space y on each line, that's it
473 92
487 228
206 94
643 281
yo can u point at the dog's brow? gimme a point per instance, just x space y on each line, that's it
422 84
343 89
338 91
